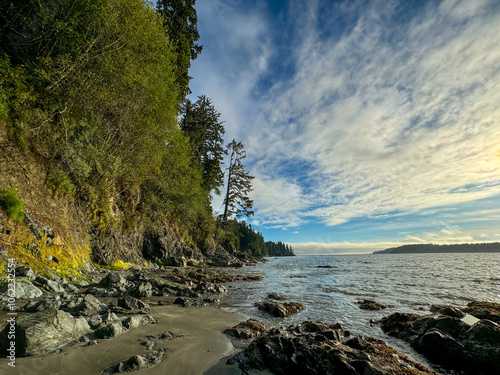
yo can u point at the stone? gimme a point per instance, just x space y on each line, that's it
448 311
44 332
279 309
24 290
24 271
43 305
114 280
144 289
49 285
370 305
135 321
111 330
131 303
138 362
245 330
88 306
299 351
276 296
484 310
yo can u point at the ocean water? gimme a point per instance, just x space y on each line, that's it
409 282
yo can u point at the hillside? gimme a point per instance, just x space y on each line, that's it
457 248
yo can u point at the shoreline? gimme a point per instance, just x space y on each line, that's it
197 346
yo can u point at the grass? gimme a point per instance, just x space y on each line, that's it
11 204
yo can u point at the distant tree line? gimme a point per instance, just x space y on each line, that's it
455 248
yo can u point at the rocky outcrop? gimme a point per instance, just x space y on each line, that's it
279 309
246 330
44 332
448 340
371 305
138 362
484 310
314 348
24 290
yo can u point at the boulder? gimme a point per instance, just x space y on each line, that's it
143 289
42 305
245 330
49 285
114 280
24 271
44 332
370 305
138 362
131 303
484 310
279 309
24 290
135 321
111 330
313 353
88 306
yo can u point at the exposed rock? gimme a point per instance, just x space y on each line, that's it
149 344
38 229
131 303
49 285
111 330
276 296
484 310
245 330
449 341
135 321
143 289
88 306
24 271
44 332
114 280
279 309
370 305
42 305
253 278
138 362
104 292
24 290
327 266
299 351
448 311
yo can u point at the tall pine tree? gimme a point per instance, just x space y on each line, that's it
239 184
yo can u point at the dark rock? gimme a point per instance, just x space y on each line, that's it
104 292
448 311
440 347
111 330
135 321
24 290
279 309
484 310
184 302
325 266
24 271
370 305
253 278
307 353
245 330
131 303
144 289
114 280
138 362
276 296
88 306
43 332
48 285
149 344
43 305
38 229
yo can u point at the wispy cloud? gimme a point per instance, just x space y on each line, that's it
390 113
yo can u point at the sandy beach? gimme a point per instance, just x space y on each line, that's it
198 345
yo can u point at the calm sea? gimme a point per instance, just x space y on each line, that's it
410 282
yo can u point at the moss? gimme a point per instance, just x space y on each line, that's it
60 183
118 265
11 204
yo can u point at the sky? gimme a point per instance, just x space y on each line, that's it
367 124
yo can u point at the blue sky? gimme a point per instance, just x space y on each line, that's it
367 124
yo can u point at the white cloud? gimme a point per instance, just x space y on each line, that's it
385 117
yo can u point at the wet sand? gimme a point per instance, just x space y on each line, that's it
199 345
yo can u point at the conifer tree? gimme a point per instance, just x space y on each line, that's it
239 184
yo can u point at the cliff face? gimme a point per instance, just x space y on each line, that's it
56 233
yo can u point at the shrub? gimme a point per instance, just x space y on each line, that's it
60 183
11 204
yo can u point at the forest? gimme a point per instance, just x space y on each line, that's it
454 248
97 91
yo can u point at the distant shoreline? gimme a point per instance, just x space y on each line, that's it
493 247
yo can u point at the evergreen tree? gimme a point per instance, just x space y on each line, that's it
180 21
202 126
239 184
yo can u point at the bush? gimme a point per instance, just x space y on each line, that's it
60 183
11 204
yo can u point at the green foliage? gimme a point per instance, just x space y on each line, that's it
202 126
279 249
180 21
59 182
11 204
239 184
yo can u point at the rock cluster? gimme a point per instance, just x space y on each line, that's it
447 339
313 348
